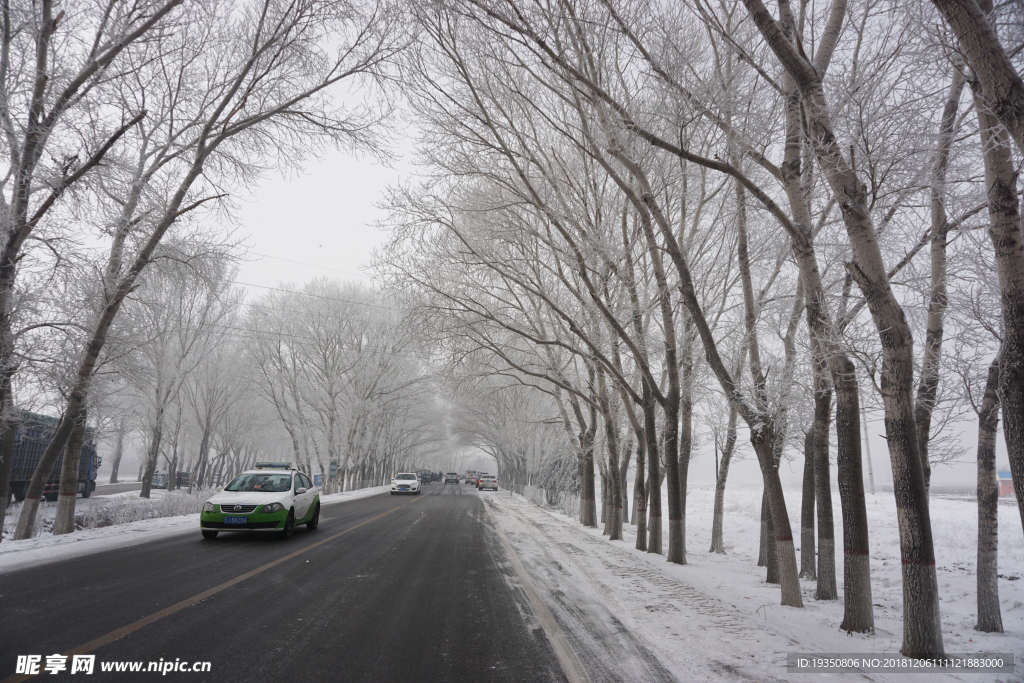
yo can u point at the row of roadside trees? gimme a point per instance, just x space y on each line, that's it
669 221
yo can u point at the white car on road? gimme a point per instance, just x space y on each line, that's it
405 482
272 497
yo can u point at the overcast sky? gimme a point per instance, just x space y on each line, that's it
319 223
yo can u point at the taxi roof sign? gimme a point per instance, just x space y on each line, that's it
273 465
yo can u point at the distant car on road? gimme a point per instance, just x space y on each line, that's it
405 482
488 481
451 478
271 497
478 478
471 477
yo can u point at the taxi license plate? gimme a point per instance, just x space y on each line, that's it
236 520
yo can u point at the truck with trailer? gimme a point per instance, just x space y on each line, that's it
31 438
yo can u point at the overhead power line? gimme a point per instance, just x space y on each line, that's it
311 265
316 296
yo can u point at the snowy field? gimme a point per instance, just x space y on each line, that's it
716 619
45 547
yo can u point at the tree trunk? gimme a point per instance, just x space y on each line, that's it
671 474
653 476
118 452
7 440
640 497
685 429
770 549
611 486
826 588
615 497
199 470
808 560
588 502
1008 242
989 616
153 453
762 544
172 469
764 445
219 477
1000 89
858 612
64 521
717 543
928 384
606 518
623 473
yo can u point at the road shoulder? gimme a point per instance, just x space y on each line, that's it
593 622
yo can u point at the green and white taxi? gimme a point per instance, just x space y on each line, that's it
272 497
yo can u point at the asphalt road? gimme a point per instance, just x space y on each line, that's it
388 588
107 489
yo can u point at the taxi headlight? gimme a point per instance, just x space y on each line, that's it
209 507
273 507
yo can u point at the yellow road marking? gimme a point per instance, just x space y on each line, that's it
188 602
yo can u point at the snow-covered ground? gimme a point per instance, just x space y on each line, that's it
45 547
716 619
112 510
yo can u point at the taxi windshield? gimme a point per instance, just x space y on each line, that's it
264 483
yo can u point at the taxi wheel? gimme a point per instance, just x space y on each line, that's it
289 525
315 522
209 534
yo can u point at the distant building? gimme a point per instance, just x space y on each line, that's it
1005 483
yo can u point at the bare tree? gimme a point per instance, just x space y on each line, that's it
283 62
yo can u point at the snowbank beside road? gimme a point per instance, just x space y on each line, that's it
114 509
45 547
354 495
716 618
